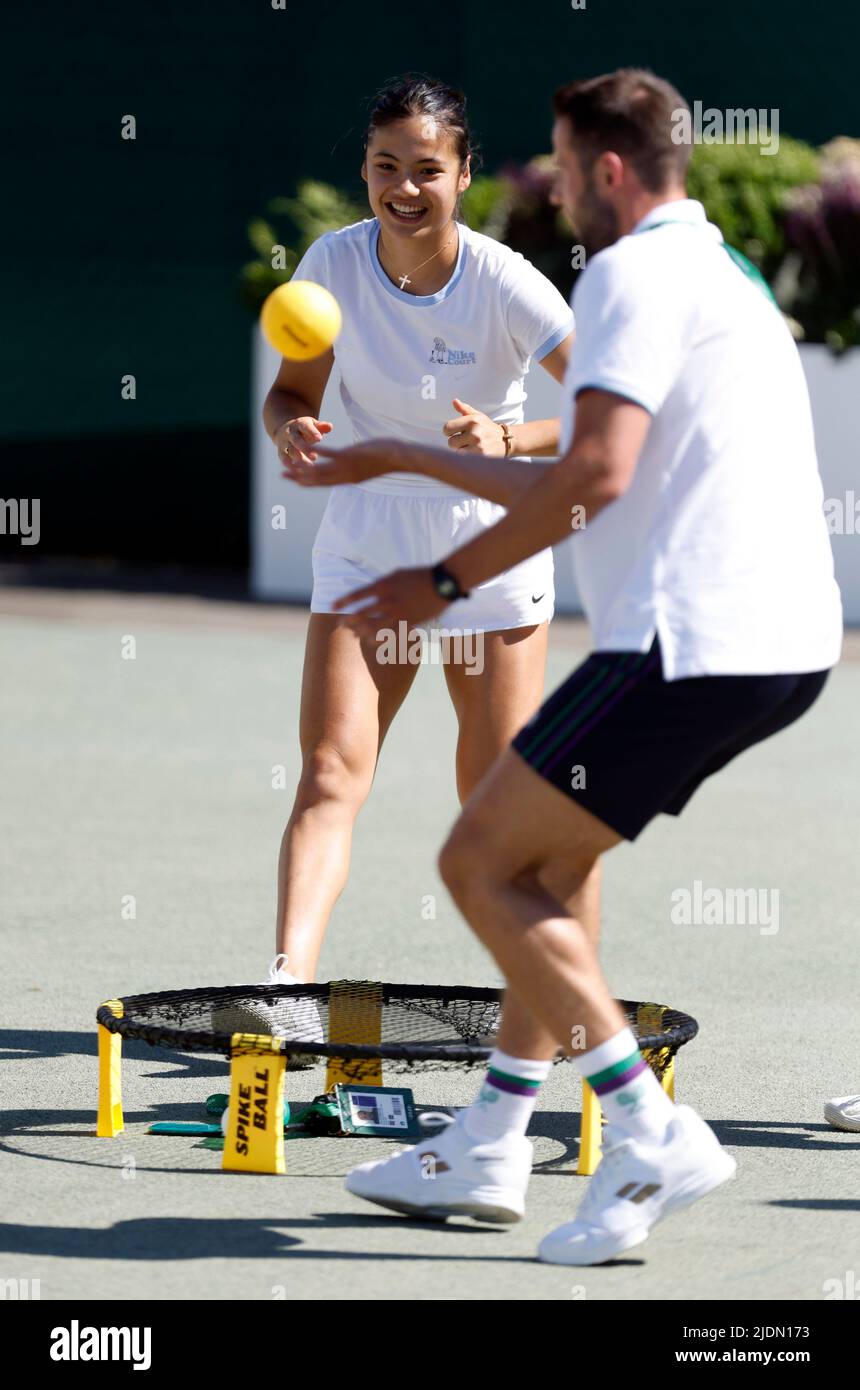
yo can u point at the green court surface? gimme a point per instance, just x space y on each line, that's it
152 779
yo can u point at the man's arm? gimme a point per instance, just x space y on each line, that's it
597 469
464 464
497 479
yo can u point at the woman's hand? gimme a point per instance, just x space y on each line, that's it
474 432
351 465
295 439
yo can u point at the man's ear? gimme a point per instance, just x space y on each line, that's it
611 170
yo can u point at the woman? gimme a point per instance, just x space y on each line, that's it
440 324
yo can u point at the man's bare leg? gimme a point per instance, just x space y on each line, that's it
496 866
521 1034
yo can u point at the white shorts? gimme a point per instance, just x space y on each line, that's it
365 534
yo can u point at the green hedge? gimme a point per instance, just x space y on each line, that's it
785 211
744 192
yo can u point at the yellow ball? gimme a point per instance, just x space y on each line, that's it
300 319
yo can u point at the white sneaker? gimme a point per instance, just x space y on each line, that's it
843 1113
637 1183
450 1175
298 1019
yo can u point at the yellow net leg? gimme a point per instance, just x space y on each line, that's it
354 1016
110 1121
589 1137
254 1142
649 1019
668 1079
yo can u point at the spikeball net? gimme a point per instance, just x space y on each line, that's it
363 1032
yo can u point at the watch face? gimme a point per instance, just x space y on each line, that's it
445 584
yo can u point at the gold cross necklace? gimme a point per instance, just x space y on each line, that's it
406 279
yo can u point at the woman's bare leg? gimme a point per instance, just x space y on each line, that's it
494 696
348 702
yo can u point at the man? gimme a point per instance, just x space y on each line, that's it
706 574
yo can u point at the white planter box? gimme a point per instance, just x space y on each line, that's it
834 390
281 559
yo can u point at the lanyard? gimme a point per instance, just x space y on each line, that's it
751 271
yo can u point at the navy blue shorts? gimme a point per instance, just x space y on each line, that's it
626 744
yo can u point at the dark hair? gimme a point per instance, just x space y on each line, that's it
630 112
418 95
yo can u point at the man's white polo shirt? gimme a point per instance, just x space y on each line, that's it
720 544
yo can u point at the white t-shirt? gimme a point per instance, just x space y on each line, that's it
719 545
403 357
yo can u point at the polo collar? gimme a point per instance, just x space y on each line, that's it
685 210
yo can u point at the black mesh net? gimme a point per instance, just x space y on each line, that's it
359 1022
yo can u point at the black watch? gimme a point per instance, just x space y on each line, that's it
445 584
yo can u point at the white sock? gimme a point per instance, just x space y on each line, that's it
630 1095
507 1097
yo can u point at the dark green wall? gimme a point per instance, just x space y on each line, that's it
122 257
